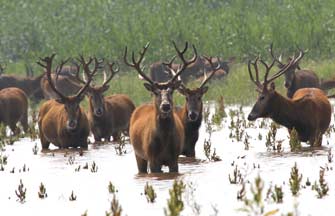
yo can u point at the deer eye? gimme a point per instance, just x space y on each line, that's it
262 97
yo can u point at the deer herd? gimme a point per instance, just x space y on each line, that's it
159 131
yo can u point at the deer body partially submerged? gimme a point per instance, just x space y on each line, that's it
309 111
13 108
62 121
156 132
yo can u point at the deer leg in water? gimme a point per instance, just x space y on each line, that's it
173 167
14 129
24 122
97 138
316 139
155 168
45 143
142 165
116 136
107 138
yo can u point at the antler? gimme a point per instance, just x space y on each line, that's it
274 57
112 72
137 64
214 70
185 63
2 68
60 67
268 69
47 66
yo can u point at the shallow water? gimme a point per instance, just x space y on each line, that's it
207 182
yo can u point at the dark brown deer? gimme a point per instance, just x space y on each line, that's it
297 78
14 108
191 113
65 81
62 121
309 110
2 69
108 115
158 69
156 132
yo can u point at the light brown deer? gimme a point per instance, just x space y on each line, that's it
309 110
14 108
62 121
156 132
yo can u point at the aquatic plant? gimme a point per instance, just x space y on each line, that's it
295 180
94 167
111 188
21 192
149 193
277 194
321 187
115 209
295 143
236 177
120 146
241 193
72 197
35 149
330 155
175 201
42 193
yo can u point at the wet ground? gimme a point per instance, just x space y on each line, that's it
207 182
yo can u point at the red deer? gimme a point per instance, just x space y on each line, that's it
156 132
14 108
158 69
191 113
62 121
108 115
309 110
296 78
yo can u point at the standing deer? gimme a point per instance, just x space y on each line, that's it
191 113
309 110
156 132
14 108
295 77
62 121
195 70
108 115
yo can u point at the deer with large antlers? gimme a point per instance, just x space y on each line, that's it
295 77
156 132
191 113
309 110
62 121
108 115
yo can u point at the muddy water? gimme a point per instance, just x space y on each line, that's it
207 182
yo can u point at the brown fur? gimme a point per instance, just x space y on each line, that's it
66 84
309 112
13 108
155 140
52 122
115 118
31 86
158 71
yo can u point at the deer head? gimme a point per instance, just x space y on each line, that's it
194 96
290 73
71 103
162 91
266 91
96 93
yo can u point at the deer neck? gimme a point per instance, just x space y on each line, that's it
165 122
283 111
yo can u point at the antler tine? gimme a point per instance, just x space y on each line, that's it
282 70
274 57
137 64
214 70
112 72
169 64
59 67
254 64
185 63
267 68
90 75
77 72
48 65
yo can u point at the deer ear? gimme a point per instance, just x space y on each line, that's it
149 87
272 87
204 89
